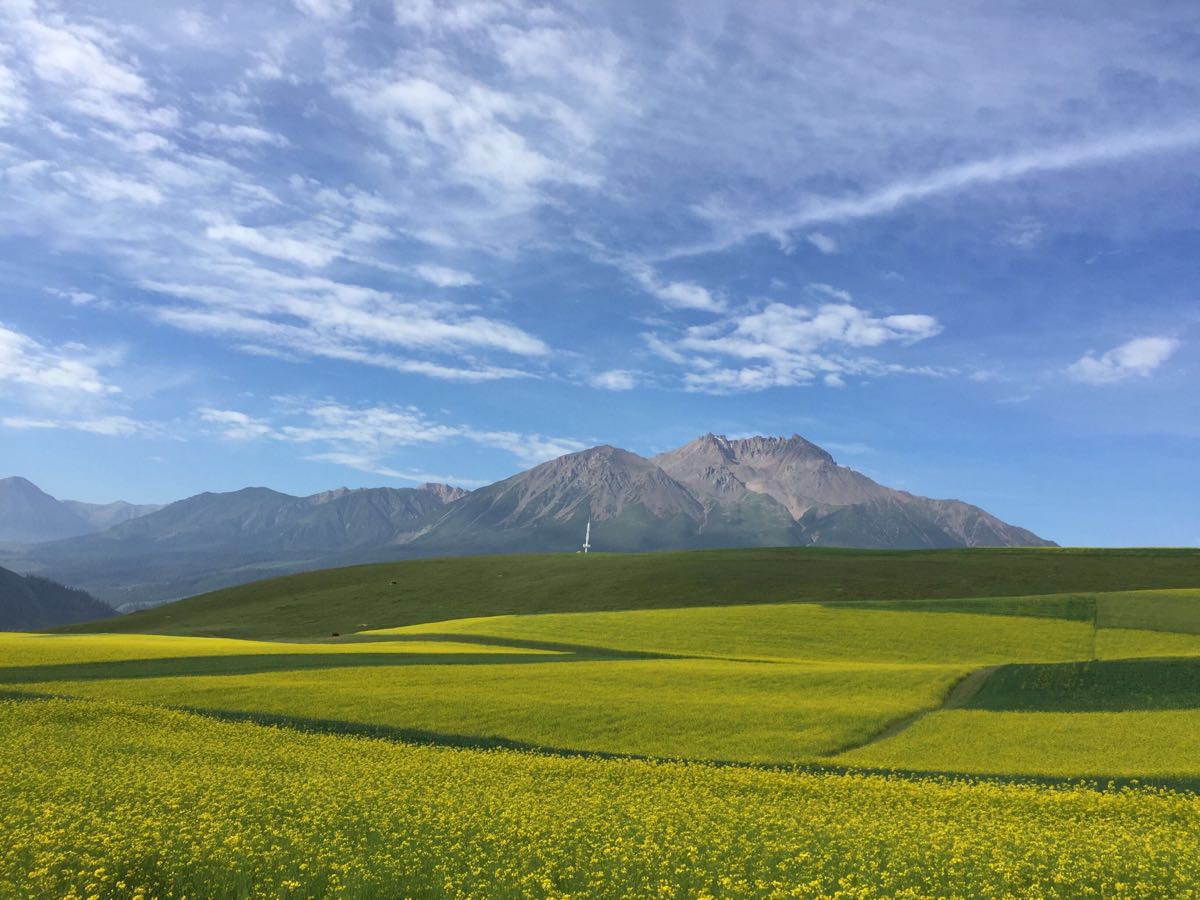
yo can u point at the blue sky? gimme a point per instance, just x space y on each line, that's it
348 242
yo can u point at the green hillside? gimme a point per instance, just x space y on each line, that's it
316 604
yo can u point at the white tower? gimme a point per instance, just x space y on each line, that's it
587 537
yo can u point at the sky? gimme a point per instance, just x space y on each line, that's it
345 242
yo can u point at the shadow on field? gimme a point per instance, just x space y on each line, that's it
579 651
1115 685
252 664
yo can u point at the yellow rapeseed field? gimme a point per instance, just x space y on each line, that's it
107 799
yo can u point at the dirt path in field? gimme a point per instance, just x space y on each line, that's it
958 696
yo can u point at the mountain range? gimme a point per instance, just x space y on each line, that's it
29 515
711 492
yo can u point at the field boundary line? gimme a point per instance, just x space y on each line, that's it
957 696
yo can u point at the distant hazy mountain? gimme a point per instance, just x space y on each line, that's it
213 540
29 603
712 492
29 515
100 516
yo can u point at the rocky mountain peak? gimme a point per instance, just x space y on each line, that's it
795 447
328 496
602 480
444 492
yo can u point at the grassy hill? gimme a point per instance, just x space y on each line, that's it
317 604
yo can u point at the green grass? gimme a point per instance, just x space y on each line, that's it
316 604
1177 610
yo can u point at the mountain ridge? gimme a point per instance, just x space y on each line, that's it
711 492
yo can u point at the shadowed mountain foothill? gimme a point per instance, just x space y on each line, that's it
28 603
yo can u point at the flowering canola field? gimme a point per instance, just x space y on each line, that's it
105 799
124 771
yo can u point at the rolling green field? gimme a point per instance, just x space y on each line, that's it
789 722
315 604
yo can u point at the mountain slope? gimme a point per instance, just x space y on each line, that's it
635 504
28 603
28 514
833 505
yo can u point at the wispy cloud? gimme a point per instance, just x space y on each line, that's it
369 438
1137 358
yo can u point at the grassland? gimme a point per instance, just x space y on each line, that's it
832 681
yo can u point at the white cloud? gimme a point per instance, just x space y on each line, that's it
239 134
82 63
107 426
67 369
107 187
1023 233
530 449
780 329
306 253
446 119
12 95
234 425
76 298
365 463
1136 358
615 380
325 9
822 242
443 276
676 294
782 345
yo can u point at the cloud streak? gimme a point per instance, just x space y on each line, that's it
951 180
